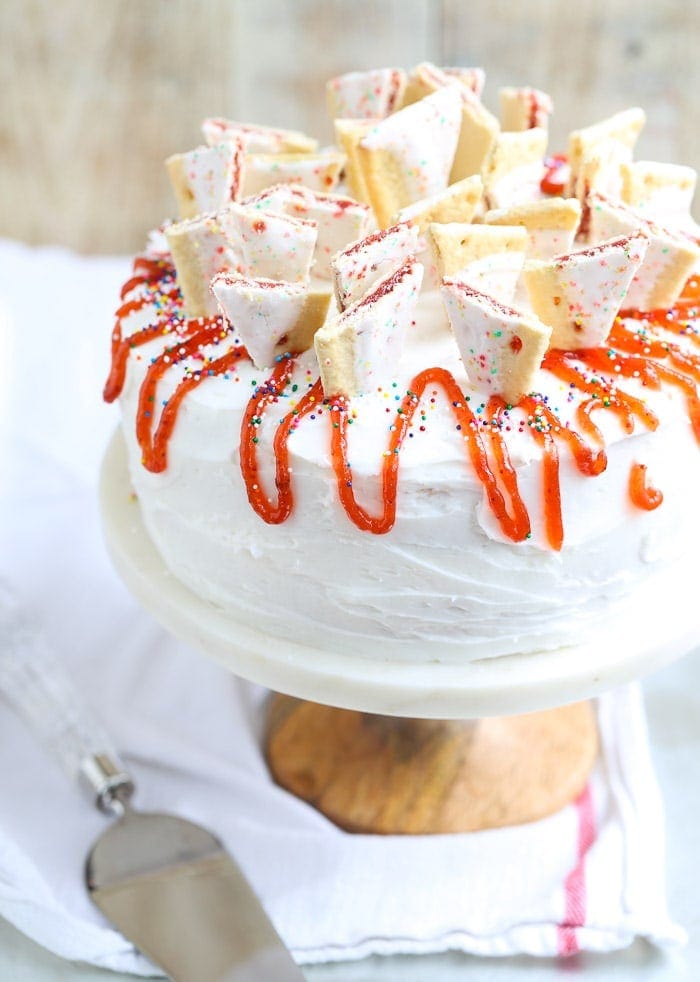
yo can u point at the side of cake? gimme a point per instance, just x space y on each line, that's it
454 442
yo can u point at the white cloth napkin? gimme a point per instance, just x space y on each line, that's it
590 877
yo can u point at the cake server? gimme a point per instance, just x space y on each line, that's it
168 885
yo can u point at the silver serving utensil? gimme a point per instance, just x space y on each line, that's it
167 884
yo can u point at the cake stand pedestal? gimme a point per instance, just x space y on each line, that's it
385 774
381 744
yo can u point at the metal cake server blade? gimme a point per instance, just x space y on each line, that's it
167 884
172 889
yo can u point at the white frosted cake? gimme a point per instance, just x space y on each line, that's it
410 394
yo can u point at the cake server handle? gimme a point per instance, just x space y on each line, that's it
40 690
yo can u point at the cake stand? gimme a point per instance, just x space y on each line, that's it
384 745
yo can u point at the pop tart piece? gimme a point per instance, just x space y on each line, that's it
670 257
208 178
339 220
360 348
274 246
373 94
270 317
318 171
488 257
202 247
550 224
579 295
457 203
514 169
408 156
524 109
501 348
257 139
358 267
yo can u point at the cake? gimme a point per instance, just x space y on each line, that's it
424 418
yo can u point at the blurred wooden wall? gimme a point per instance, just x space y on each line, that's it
95 93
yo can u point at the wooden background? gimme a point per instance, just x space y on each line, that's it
95 93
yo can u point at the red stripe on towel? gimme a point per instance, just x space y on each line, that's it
575 883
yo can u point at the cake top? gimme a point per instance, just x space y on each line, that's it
543 274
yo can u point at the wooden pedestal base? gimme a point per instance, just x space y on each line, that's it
383 774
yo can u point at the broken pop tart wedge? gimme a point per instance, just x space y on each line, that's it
338 220
360 347
515 167
457 203
270 317
524 108
622 128
662 192
348 133
488 257
200 248
358 267
318 171
427 78
477 134
257 139
274 246
206 179
373 94
670 257
580 294
478 128
550 224
501 348
409 155
472 78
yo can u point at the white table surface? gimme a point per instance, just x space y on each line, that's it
673 704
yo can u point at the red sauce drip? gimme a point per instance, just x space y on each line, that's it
155 447
122 346
604 396
691 290
651 372
643 495
147 271
273 512
513 526
545 426
673 319
520 521
554 180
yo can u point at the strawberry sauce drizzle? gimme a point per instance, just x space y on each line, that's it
545 426
155 447
643 494
270 512
122 346
644 354
516 527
